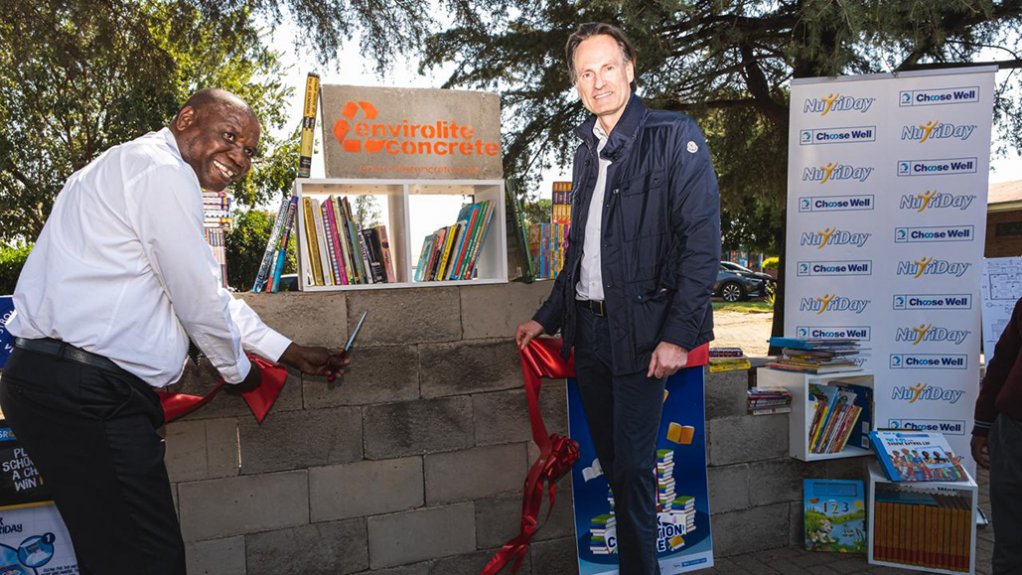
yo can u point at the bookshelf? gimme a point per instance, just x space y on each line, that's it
800 418
925 537
406 208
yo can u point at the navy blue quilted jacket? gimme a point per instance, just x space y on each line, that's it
661 236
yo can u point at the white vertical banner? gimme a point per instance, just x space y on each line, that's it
887 195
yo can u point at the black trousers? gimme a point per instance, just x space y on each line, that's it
1005 443
92 433
623 413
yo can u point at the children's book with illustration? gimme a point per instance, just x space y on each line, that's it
916 456
835 516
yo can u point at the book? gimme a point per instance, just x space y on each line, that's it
479 238
271 245
912 456
388 258
834 515
289 225
312 242
324 256
334 245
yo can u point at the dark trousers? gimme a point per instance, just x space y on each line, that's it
1005 444
623 413
92 433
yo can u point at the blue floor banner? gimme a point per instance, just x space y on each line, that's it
684 541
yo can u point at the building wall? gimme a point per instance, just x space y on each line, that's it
414 463
1003 244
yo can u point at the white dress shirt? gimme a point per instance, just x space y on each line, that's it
590 279
122 269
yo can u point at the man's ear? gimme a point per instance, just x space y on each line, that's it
184 119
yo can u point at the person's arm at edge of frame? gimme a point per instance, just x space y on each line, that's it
1005 362
695 213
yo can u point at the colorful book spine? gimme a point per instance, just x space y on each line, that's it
311 240
388 258
336 253
289 224
264 266
324 255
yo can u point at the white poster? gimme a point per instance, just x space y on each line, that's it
887 194
1000 289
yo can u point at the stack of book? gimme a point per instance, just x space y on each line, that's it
450 253
216 219
841 412
339 252
602 534
728 359
926 527
548 240
766 400
815 355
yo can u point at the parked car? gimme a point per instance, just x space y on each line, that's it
742 270
735 285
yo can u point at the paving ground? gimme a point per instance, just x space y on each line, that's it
750 332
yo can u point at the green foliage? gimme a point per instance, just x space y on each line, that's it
80 76
12 259
537 211
728 63
246 244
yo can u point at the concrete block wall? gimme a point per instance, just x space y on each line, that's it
414 463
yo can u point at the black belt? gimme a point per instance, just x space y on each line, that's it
596 306
64 350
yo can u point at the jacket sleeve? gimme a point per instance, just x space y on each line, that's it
694 257
1004 365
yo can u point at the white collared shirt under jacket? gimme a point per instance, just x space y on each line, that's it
122 269
590 278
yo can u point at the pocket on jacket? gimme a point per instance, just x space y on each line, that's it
644 205
649 304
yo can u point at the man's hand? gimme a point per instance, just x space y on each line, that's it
980 451
667 360
316 360
526 332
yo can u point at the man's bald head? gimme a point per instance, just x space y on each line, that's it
218 135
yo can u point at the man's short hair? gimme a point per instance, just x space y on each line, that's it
588 30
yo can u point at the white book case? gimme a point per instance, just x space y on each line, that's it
405 207
967 488
801 418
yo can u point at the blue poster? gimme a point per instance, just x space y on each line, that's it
684 539
6 339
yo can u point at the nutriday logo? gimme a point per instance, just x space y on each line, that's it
833 303
836 103
929 333
934 200
935 130
925 392
836 172
927 266
831 237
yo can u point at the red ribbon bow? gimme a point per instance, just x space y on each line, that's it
556 454
259 400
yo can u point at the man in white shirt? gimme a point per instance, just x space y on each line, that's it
119 280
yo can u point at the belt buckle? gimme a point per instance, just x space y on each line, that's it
598 307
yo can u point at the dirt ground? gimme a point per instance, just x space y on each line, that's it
750 331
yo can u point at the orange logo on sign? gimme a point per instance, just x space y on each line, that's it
341 127
439 138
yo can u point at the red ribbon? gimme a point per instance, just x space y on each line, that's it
557 454
259 400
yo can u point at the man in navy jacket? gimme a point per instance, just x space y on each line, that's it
633 296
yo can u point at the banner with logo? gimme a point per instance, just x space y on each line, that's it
411 133
33 538
684 542
887 194
6 339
